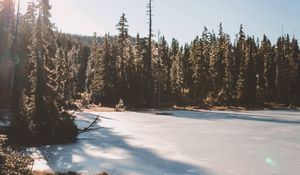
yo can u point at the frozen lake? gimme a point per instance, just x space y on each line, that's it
182 143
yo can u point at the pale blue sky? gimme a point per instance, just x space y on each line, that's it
182 19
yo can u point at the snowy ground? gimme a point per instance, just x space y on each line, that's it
184 143
4 116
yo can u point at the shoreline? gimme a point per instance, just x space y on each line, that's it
273 106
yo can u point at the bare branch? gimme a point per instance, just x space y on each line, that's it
91 126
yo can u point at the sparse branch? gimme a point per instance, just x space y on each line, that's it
91 126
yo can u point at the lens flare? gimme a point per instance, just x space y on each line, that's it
269 161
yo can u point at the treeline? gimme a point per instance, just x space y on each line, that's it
210 70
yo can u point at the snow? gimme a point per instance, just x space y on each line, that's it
4 120
181 143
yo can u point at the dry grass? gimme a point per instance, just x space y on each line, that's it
95 108
269 106
204 109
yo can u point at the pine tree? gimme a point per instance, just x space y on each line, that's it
15 86
139 53
294 67
297 85
123 56
25 111
130 77
83 52
216 65
109 73
282 69
42 49
238 56
66 76
158 74
229 64
6 40
72 68
63 75
95 84
187 70
267 63
27 23
247 79
114 69
179 85
6 27
199 56
123 44
177 77
214 76
39 105
29 18
165 74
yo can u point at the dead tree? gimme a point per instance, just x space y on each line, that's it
149 82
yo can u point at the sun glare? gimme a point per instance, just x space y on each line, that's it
23 5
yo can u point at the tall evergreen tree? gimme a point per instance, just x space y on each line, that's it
123 41
39 105
123 55
267 63
247 79
238 56
139 53
63 79
94 83
6 39
43 48
109 73
216 64
294 64
229 66
27 23
177 76
72 68
84 53
187 69
199 56
282 69
165 75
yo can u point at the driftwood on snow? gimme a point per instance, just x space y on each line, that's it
91 126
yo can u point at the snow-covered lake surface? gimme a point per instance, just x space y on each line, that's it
182 143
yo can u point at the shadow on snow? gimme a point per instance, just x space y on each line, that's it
225 115
139 160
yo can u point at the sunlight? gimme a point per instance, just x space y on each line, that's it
23 5
62 14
